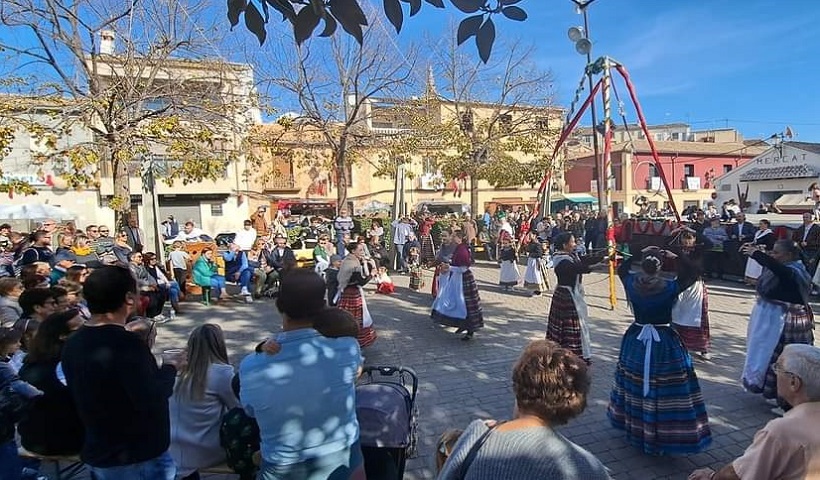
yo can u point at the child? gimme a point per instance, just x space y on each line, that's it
509 276
384 284
179 260
414 265
533 276
331 278
16 397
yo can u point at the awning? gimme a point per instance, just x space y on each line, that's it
794 203
574 198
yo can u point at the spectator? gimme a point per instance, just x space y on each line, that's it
10 311
808 238
204 271
246 237
120 393
53 426
260 223
343 225
92 232
786 447
121 249
39 251
151 298
190 233
321 256
280 260
402 228
170 228
332 278
168 287
104 246
201 396
551 387
180 259
274 388
239 270
134 234
16 395
83 251
716 237
37 305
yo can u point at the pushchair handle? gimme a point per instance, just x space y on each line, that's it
387 371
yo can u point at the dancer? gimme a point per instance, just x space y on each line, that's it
533 276
656 398
690 315
443 257
780 317
416 271
764 238
428 247
568 322
509 275
458 303
350 296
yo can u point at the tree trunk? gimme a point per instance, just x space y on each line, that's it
474 196
341 175
121 202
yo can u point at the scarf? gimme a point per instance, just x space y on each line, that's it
768 281
761 233
81 251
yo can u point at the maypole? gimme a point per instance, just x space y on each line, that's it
606 89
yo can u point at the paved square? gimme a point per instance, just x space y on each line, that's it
461 381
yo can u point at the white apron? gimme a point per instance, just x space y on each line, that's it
509 274
450 299
764 330
688 310
753 269
532 276
367 320
581 308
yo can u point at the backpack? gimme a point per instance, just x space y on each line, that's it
239 436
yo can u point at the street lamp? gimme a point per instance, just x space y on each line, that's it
580 36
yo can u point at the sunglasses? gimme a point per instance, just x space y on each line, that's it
104 231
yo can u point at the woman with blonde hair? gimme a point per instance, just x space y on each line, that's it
202 395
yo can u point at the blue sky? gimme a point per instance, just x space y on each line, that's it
749 64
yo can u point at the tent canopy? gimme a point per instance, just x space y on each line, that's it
574 198
34 211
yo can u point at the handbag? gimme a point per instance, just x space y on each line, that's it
465 465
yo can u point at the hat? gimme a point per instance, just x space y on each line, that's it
170 216
335 258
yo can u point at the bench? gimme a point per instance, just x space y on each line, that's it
76 468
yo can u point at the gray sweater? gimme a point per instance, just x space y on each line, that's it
525 454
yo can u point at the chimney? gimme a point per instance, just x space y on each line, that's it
107 38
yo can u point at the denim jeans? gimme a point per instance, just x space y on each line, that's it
172 289
160 468
337 466
217 285
11 467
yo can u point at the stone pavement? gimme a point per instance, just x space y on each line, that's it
461 381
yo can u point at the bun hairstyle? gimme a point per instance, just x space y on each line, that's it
651 263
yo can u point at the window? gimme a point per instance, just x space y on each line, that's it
216 209
428 166
688 170
641 136
542 123
505 122
727 168
676 136
653 170
660 136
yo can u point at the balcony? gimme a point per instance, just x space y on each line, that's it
281 183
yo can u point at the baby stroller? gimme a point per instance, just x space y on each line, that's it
387 413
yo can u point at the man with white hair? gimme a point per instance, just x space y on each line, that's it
788 447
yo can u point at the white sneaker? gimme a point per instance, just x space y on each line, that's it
248 299
160 319
244 292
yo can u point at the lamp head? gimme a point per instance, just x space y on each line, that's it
575 33
583 46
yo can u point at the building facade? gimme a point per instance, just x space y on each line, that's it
690 168
779 175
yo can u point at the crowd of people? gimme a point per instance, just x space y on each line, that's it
78 322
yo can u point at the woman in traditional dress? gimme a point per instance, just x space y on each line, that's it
428 247
458 303
781 316
656 397
690 315
765 237
568 322
509 275
534 275
350 297
443 257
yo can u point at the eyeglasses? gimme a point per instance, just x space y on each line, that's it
778 370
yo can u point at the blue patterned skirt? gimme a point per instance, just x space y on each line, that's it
671 419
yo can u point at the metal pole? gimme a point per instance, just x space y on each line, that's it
595 148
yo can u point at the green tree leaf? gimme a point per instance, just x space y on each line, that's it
255 23
484 40
306 22
514 13
468 28
235 8
392 8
